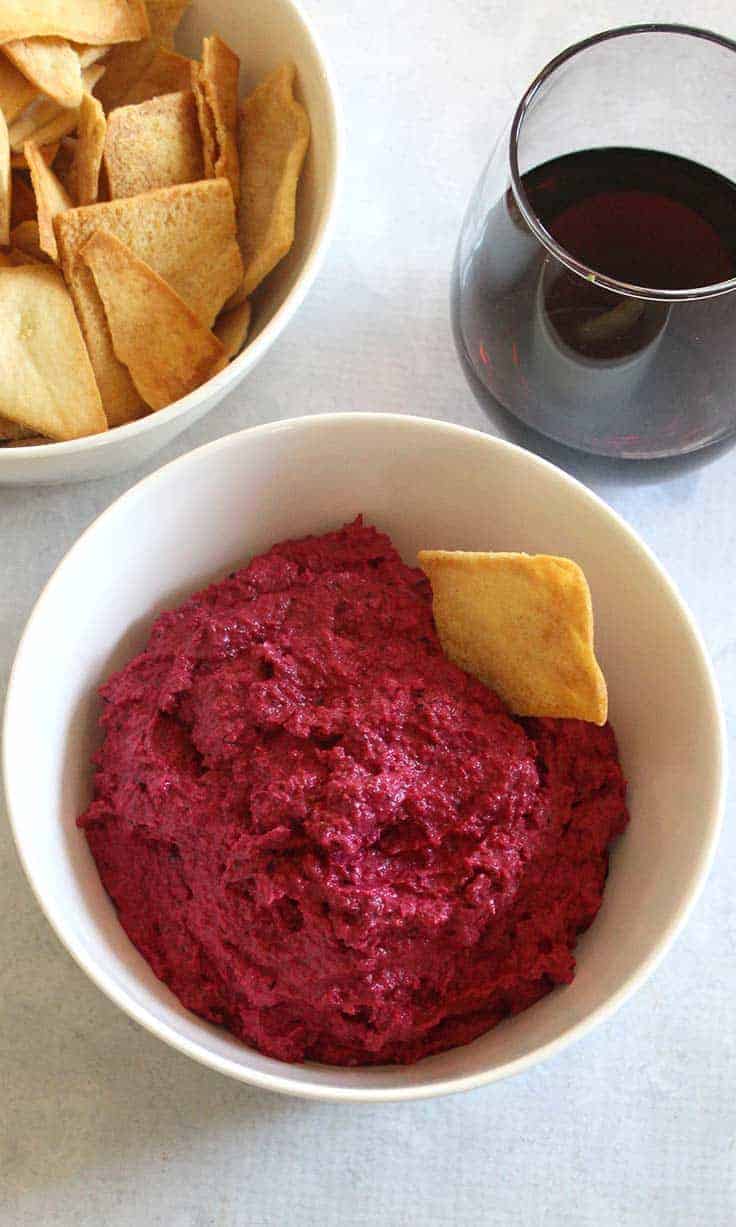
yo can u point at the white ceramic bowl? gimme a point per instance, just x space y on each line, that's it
264 33
427 484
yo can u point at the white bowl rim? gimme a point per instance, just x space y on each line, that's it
289 1083
221 383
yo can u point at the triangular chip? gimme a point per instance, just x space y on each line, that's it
186 234
16 91
45 121
232 328
51 198
47 384
206 121
167 73
85 21
220 70
166 348
274 134
154 144
523 624
51 64
23 200
88 153
127 62
6 184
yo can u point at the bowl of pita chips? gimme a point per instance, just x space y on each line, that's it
539 589
168 178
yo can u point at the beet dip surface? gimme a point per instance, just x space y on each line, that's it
322 834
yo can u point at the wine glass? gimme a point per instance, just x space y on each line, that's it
593 283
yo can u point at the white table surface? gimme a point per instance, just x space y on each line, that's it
101 1125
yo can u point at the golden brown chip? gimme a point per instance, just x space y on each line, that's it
46 122
88 153
164 345
167 73
23 200
25 238
206 120
127 62
523 624
232 328
51 64
220 70
85 21
47 384
51 198
16 91
274 134
152 145
186 234
6 184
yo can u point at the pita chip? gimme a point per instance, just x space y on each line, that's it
274 135
186 234
523 625
206 121
167 73
51 198
52 65
48 386
88 154
232 328
16 91
6 184
152 145
84 21
127 62
45 121
219 80
164 345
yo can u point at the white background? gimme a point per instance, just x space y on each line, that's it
103 1126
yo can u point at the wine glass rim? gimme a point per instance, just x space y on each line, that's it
524 204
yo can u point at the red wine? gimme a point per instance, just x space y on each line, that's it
605 370
644 218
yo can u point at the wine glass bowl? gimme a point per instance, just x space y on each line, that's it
593 283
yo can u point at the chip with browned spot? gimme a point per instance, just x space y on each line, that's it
523 625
